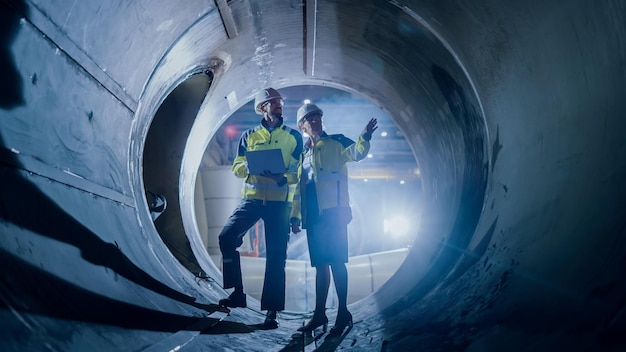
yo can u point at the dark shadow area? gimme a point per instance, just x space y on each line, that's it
29 289
470 122
228 327
331 342
162 162
323 342
300 340
10 82
23 205
470 258
440 337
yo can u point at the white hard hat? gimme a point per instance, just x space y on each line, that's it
306 110
264 96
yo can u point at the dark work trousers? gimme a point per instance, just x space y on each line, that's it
275 216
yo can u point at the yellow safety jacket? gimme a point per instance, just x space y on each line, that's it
289 141
329 156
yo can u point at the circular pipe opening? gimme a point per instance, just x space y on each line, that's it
425 91
385 191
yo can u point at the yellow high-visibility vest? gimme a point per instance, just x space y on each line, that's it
329 157
289 141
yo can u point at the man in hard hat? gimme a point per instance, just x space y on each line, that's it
324 208
266 196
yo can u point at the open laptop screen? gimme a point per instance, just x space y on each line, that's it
268 159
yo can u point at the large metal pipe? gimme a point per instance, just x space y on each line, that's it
514 112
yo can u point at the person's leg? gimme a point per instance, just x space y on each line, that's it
340 273
322 284
230 238
317 248
344 317
276 219
340 278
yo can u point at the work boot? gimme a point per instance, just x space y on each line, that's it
270 320
236 299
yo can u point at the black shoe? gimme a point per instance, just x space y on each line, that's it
236 299
270 320
315 322
343 319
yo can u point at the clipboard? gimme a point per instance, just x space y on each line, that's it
267 159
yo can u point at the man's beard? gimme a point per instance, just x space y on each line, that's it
277 115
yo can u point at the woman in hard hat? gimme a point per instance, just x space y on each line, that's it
324 209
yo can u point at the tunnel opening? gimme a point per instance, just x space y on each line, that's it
385 191
423 87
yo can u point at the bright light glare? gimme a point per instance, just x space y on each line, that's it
307 101
398 226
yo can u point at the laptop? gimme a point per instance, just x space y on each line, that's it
268 159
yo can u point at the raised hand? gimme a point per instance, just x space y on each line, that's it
370 128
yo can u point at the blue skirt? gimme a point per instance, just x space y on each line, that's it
328 237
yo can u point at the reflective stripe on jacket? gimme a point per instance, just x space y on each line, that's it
289 141
330 172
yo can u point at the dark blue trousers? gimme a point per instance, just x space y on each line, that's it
275 217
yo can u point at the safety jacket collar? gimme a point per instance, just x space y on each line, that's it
264 124
309 143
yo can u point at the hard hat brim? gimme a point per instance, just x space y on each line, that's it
257 108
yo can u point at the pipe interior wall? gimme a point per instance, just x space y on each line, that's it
514 112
